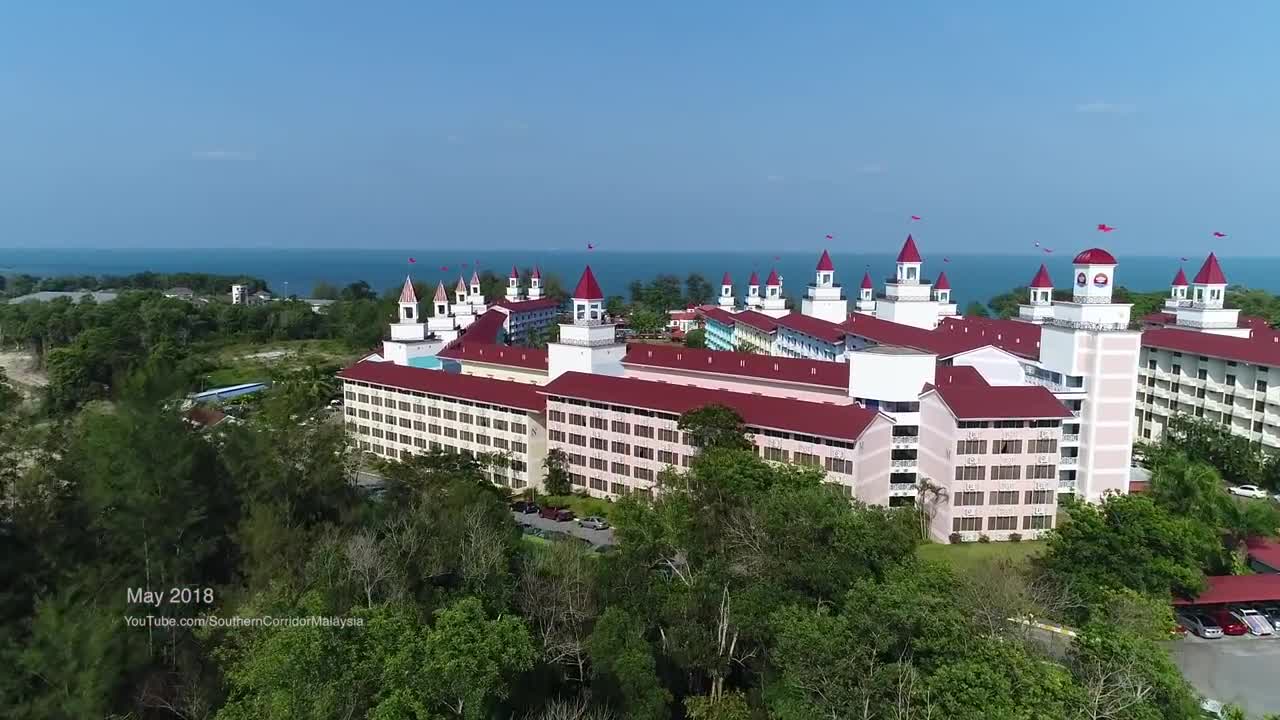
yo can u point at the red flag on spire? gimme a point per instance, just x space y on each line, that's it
830 236
1048 250
412 260
1103 227
1219 234
590 246
914 218
444 268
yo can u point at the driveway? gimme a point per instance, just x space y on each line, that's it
595 537
1239 670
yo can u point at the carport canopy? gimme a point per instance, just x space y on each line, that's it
1236 589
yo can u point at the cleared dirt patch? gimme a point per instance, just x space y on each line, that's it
21 369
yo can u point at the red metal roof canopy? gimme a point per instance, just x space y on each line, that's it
1229 589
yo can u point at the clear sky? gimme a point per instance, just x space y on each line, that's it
708 124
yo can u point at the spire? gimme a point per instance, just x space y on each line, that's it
755 278
407 295
943 283
773 278
515 274
462 286
1210 273
537 274
866 281
909 252
441 295
1041 280
588 288
726 280
824 263
475 278
1180 280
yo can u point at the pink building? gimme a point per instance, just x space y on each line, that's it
620 433
994 451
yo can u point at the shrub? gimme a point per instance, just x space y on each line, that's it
1015 537
983 538
954 538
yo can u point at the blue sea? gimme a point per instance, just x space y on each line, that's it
296 271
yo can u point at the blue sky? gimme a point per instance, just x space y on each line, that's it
708 125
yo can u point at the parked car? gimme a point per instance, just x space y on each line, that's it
594 522
1229 624
1201 625
1272 613
1254 620
558 514
523 506
1251 491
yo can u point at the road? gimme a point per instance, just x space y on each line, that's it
595 537
1239 670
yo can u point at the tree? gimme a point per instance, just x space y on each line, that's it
556 479
696 338
715 426
557 597
615 306
929 497
976 309
1127 677
1209 442
645 321
697 290
624 667
324 291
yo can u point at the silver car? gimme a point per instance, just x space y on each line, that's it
1201 625
593 522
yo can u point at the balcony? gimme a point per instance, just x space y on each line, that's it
1073 438
908 463
905 441
1066 486
1068 461
1075 413
902 489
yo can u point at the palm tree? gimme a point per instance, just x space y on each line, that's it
929 496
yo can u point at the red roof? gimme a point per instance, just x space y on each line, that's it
441 295
1210 272
755 278
1159 319
1264 550
536 273
205 416
844 422
515 274
407 295
1180 280
909 253
1095 256
726 280
487 328
1227 589
462 285
773 278
1041 280
969 397
1262 348
793 370
475 277
824 263
1013 336
759 321
866 280
813 327
943 283
721 316
519 306
682 315
455 385
493 354
588 288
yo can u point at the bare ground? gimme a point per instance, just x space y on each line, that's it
21 369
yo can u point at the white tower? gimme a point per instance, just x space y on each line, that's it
535 284
476 299
907 299
753 292
1177 292
867 295
513 285
725 301
1205 312
441 323
942 296
1087 342
587 344
461 306
409 336
1039 306
239 294
824 298
774 305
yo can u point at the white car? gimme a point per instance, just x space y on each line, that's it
1254 620
1251 491
593 522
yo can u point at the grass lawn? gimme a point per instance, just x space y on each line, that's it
966 556
581 506
250 362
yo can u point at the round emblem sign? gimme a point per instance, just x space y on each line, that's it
1100 280
1081 279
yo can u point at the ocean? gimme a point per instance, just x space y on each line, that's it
296 271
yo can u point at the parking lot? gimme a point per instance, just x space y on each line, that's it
595 537
1239 670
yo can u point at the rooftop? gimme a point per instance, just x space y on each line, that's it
723 317
1210 272
494 354
506 393
528 305
825 264
942 283
1261 348
588 288
909 252
757 320
75 296
1041 280
1095 256
969 397
792 370
487 328
407 295
812 326
843 422
1224 589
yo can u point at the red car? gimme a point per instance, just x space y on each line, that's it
1230 625
556 513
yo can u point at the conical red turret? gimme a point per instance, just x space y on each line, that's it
407 295
1041 280
1210 273
588 288
825 264
909 253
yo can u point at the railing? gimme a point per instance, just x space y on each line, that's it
1077 325
1075 413
1071 438
905 463
902 488
1067 485
905 441
1090 300
1068 460
1206 323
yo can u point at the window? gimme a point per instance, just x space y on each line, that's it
1039 497
644 431
1202 374
433 411
619 426
620 448
576 439
619 489
555 416
971 472
837 465
377 416
671 436
1231 380
599 443
1045 423
806 459
1177 368
364 414
1037 522
971 447
482 421
556 435
642 473
1009 424
466 436
376 400
1043 446
577 479
966 524
518 428
403 406
1261 386
1006 447
641 451
1151 364
1004 497
501 443
1004 472
363 398
577 459
406 423
450 432
599 423
419 409
668 457
969 497
499 424
776 454
974 424
576 419
1002 522
482 439
419 426
1039 472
